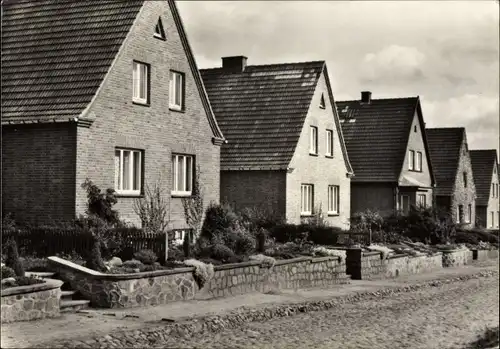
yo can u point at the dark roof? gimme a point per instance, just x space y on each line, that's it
262 110
483 162
56 53
444 145
376 136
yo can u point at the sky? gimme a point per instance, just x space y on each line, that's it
446 52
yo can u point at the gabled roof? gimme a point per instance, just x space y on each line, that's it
261 111
56 54
444 145
483 162
376 136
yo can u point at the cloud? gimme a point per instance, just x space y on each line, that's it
393 64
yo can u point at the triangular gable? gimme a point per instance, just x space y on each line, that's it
159 31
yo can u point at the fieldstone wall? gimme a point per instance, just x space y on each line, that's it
31 302
483 255
371 265
456 258
160 287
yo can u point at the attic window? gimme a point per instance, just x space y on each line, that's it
322 104
415 128
159 32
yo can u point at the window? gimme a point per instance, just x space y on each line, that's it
460 214
497 189
333 199
418 162
178 235
492 219
128 171
405 203
306 199
465 179
322 103
141 82
415 128
182 175
411 160
498 218
159 32
313 140
329 142
176 90
493 190
469 214
422 200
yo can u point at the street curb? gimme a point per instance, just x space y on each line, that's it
216 323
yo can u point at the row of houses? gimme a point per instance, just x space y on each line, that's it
124 104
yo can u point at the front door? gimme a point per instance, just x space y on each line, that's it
405 204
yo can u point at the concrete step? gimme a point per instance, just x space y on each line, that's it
40 274
73 305
67 295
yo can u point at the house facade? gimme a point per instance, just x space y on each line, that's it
387 146
123 106
285 152
486 179
456 191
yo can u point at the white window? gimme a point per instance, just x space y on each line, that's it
498 218
306 199
460 213
182 175
329 142
469 214
405 203
492 219
313 140
464 175
128 171
418 162
411 160
141 82
333 199
493 190
422 200
176 90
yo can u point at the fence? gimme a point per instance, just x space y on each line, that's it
44 242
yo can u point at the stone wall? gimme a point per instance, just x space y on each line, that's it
482 255
456 258
160 287
31 302
370 265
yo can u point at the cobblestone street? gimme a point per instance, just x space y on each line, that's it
448 316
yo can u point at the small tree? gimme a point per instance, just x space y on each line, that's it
12 260
101 204
317 219
193 205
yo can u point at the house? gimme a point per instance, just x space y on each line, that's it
285 152
455 191
486 178
387 146
105 90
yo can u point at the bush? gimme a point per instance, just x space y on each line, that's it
218 218
35 264
12 259
222 253
262 235
321 235
94 260
101 204
7 272
256 218
186 245
146 256
463 237
245 244
133 264
28 280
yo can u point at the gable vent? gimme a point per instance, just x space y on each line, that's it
159 31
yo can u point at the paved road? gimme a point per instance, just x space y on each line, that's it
448 316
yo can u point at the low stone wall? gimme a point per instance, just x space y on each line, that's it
456 258
370 265
164 286
483 255
31 302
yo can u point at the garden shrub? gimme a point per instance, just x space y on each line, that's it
94 260
222 253
34 264
186 245
261 235
218 218
176 253
203 273
7 272
12 258
28 280
133 264
321 235
473 236
255 218
101 204
244 244
147 257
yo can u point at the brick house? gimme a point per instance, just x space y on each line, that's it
486 179
455 191
285 152
123 104
387 146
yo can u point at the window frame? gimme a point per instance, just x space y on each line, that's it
329 143
322 103
460 213
420 201
401 203
468 217
306 202
313 140
333 200
492 225
172 90
136 83
418 161
411 160
175 176
133 152
464 179
161 34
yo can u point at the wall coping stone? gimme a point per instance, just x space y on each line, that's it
98 275
49 284
453 251
325 259
236 265
401 255
371 253
293 260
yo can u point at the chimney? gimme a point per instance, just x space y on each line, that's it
235 64
366 97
